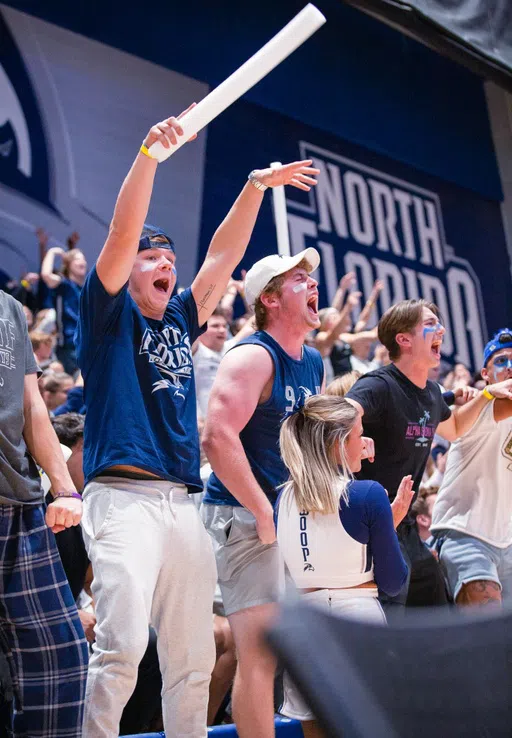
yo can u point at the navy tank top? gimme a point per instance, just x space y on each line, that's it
294 381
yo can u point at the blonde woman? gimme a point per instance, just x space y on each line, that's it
337 535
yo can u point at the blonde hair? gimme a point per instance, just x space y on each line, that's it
341 385
312 445
67 258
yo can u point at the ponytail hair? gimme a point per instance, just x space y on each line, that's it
312 445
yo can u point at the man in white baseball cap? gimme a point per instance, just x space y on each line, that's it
260 381
260 274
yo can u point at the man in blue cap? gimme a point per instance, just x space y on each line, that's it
151 556
472 516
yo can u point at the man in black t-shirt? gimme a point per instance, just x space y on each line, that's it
402 410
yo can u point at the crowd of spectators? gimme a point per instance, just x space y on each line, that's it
349 349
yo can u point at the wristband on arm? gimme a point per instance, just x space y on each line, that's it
58 495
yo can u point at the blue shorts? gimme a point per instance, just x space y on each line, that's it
465 559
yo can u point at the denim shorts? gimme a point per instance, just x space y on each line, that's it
465 559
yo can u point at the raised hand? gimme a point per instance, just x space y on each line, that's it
298 174
377 287
401 503
347 281
353 299
167 131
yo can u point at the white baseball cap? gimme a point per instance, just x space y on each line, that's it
260 274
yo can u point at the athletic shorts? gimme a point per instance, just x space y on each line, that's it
465 559
249 572
359 603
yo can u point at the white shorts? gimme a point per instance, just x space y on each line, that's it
358 603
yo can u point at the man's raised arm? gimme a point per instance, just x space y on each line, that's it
120 250
231 238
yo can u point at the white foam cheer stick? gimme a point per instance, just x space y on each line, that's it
281 216
258 66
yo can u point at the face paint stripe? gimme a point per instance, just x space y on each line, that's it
300 287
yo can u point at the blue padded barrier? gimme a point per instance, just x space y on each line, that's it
285 728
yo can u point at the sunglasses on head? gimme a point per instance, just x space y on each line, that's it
505 337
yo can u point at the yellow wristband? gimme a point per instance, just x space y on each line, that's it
487 394
144 150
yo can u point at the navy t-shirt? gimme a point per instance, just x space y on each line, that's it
294 381
402 419
66 297
139 386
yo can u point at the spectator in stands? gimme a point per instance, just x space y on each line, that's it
208 351
55 390
359 359
341 385
472 517
401 411
66 287
144 705
29 315
460 376
45 321
141 449
381 355
422 511
42 346
41 632
25 291
327 523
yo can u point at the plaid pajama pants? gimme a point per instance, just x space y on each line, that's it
40 631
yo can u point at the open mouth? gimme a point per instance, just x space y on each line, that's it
161 285
436 349
312 305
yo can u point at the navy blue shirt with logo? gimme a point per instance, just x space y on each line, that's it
66 297
139 388
294 381
402 419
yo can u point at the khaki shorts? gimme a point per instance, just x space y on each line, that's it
249 572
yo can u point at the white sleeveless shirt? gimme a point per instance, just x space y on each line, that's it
476 493
317 549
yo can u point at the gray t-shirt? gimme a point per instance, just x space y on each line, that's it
19 479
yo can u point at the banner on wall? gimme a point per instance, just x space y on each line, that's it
73 113
421 236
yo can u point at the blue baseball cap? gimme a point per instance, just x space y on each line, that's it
150 232
502 339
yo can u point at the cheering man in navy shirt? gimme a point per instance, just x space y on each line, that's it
151 556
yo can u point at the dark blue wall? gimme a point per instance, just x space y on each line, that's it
356 78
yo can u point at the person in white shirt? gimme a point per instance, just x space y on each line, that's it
208 351
472 516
